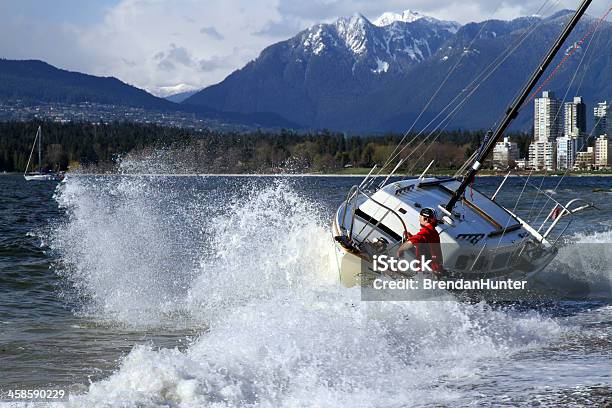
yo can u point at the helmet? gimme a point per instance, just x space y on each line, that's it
428 212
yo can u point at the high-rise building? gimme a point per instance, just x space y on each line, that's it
574 129
505 154
547 118
575 118
584 160
543 156
547 128
603 152
601 125
567 148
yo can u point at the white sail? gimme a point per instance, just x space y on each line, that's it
32 152
38 175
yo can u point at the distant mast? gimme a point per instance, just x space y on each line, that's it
39 151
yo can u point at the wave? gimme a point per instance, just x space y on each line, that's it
251 264
582 269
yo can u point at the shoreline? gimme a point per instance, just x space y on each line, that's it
349 175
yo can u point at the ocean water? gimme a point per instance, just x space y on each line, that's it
190 291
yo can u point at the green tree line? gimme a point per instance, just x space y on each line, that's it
100 145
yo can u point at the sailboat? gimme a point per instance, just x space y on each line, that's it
479 237
38 175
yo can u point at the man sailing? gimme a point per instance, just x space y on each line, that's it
426 242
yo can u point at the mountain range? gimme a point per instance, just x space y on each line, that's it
33 82
180 96
360 75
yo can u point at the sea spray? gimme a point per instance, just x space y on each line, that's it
129 245
251 263
581 270
266 241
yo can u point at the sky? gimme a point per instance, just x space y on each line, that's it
169 46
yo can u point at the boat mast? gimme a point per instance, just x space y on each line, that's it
39 151
31 153
512 111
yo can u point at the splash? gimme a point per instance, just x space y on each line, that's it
583 268
251 263
273 242
129 245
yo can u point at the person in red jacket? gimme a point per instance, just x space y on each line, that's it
426 242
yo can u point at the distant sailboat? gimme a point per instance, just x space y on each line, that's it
39 175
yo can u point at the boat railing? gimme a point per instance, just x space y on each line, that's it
559 211
354 192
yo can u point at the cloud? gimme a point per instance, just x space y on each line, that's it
161 44
214 63
212 32
180 55
286 27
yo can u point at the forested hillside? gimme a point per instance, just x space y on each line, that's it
99 146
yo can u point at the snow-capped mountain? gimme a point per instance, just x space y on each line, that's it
389 17
379 48
409 16
354 74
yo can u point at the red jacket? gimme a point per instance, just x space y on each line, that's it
427 243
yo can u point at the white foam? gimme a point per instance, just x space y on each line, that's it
280 330
122 246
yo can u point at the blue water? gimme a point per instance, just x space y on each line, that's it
217 291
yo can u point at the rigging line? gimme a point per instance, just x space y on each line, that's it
471 92
393 156
575 47
423 153
577 91
566 171
460 105
587 65
495 65
492 66
513 109
412 168
439 128
535 199
569 54
590 58
466 164
449 73
494 126
457 63
513 212
590 135
567 90
557 113
539 189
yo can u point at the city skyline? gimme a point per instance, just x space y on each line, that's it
560 137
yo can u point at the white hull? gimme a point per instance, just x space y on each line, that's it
481 239
40 177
